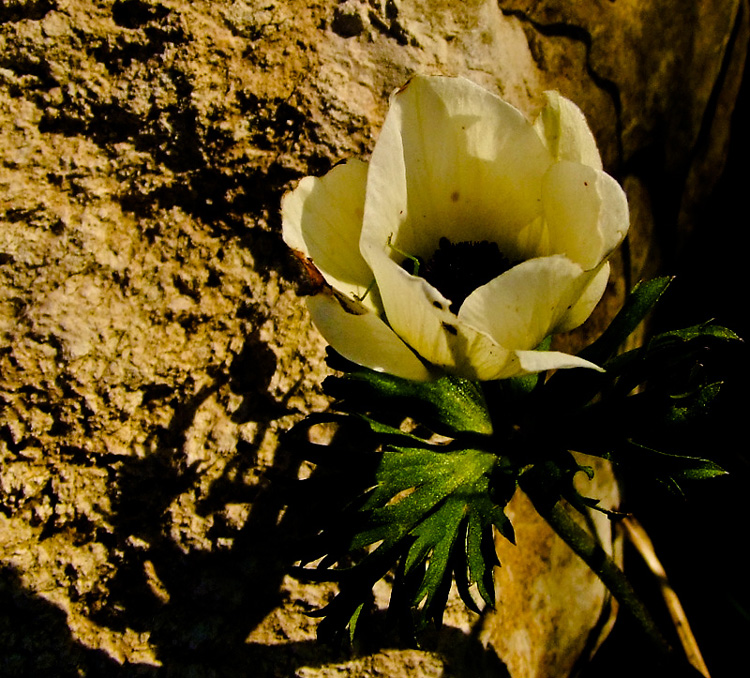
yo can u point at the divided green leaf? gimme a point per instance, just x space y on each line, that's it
671 470
431 510
449 405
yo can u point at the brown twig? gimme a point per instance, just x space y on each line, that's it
645 548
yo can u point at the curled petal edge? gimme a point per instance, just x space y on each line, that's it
361 336
563 128
532 362
586 303
322 219
525 304
419 314
586 212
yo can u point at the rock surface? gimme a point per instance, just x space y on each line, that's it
152 346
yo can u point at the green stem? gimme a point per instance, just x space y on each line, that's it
602 564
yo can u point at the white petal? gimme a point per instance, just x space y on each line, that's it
455 161
533 239
614 217
483 359
364 338
322 219
564 130
522 306
586 303
586 213
419 314
532 362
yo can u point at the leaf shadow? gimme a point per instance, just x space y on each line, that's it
200 606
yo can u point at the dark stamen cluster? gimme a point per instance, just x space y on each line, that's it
457 269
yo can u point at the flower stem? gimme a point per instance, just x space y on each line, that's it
602 564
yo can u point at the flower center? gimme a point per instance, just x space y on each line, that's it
457 269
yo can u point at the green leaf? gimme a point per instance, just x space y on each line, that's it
448 405
574 388
481 559
353 622
701 331
670 361
673 347
686 408
431 509
391 434
653 416
666 468
638 304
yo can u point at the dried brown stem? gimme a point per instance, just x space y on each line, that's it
645 548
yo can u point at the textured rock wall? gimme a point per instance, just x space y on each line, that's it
152 346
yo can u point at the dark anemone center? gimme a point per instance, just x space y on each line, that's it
457 269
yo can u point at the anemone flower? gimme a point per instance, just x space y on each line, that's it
470 236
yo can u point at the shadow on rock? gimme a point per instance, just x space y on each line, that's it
35 639
199 605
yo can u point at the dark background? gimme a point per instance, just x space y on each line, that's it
700 539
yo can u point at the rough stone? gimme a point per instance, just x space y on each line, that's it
152 347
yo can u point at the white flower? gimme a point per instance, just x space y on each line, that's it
458 173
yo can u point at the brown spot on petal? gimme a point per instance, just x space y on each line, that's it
455 196
450 329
